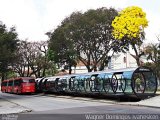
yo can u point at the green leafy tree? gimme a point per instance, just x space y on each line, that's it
61 49
8 43
89 37
129 26
153 53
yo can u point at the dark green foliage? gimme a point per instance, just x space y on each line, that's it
8 43
61 48
88 36
153 53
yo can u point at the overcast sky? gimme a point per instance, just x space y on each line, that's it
33 18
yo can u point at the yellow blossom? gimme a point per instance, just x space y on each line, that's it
129 22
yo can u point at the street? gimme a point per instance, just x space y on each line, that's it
50 107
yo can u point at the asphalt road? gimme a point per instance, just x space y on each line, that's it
55 108
44 103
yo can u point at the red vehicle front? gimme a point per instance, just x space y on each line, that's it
24 85
28 85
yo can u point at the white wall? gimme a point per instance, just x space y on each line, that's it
117 61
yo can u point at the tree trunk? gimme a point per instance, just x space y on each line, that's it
28 71
3 76
39 74
70 69
95 68
138 61
101 67
137 55
44 72
88 68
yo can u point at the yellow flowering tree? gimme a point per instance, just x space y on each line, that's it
129 26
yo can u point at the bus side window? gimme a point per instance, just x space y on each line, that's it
4 83
17 82
33 80
10 83
20 81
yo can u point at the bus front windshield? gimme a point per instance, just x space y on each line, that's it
29 81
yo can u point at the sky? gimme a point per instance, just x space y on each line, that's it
33 18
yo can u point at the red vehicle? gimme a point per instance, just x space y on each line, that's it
19 85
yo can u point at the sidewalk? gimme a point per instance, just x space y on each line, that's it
153 102
7 107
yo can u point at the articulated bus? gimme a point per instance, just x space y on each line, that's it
18 85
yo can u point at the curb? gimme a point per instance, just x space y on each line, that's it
101 101
83 99
139 105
